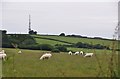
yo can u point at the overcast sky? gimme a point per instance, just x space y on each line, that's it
95 18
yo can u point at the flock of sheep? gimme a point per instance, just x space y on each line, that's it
81 53
3 55
48 55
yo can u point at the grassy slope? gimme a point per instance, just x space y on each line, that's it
75 40
28 64
51 42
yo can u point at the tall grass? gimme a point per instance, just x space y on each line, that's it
112 70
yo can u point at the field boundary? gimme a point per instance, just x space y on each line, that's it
52 39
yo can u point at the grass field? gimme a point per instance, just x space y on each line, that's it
89 50
61 64
51 42
74 40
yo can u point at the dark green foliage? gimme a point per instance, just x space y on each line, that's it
46 47
56 50
58 45
6 42
19 39
98 46
37 47
61 48
26 41
90 46
31 47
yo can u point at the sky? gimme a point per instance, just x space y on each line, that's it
88 18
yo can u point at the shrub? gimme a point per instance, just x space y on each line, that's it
61 48
55 50
46 47
90 46
19 39
37 47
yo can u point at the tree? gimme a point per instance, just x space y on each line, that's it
35 32
3 31
62 34
32 32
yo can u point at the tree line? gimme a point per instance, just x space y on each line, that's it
26 41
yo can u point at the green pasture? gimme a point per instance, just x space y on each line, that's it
72 40
45 41
89 50
61 64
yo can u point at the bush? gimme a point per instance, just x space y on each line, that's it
37 47
90 46
62 48
55 50
19 39
46 47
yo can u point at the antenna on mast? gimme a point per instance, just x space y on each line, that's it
29 22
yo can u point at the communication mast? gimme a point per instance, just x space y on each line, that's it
29 23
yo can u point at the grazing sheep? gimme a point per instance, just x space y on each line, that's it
70 53
81 52
45 56
2 56
76 53
19 52
2 52
88 55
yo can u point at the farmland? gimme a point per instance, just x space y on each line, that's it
60 64
28 64
75 39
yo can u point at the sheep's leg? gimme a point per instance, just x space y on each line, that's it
3 58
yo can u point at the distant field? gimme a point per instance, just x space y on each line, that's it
51 42
89 50
28 64
72 40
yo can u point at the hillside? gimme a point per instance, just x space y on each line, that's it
54 42
69 40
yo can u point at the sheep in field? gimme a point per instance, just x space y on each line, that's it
70 53
45 56
88 55
2 52
81 52
2 56
19 52
76 53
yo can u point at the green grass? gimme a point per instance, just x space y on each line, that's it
28 64
75 39
51 42
89 50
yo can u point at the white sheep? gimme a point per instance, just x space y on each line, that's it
2 52
19 52
70 53
2 56
45 56
76 53
88 55
81 52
